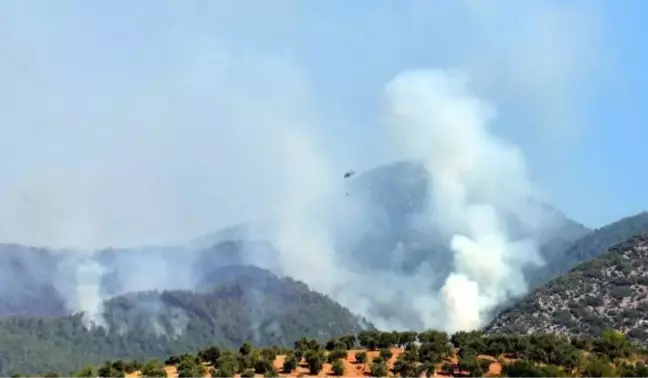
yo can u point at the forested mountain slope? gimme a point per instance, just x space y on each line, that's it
266 310
610 291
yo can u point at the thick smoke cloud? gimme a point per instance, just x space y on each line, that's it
156 132
476 181
472 172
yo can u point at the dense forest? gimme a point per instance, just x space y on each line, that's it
266 310
405 354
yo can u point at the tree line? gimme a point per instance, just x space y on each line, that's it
463 354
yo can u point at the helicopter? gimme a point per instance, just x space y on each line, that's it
348 175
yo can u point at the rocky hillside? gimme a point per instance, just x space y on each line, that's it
591 245
610 291
266 310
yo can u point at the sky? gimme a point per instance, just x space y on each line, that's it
125 123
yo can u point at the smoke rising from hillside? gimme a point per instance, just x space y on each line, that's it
472 173
186 125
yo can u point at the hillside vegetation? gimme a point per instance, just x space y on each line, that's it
588 247
267 311
610 291
406 354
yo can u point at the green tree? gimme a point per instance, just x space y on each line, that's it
472 366
262 365
613 344
209 355
315 361
521 368
428 368
368 339
119 365
189 367
132 366
597 367
109 369
349 341
223 372
153 369
88 371
336 355
269 353
271 372
386 354
334 344
378 369
228 365
245 349
290 363
338 368
247 373
405 368
406 337
361 357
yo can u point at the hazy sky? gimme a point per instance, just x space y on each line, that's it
128 122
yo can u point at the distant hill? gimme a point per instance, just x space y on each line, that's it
266 310
591 245
610 291
396 238
38 281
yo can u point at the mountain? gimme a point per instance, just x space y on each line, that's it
591 245
248 303
610 291
381 228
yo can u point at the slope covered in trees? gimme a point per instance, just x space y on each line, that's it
267 311
610 291
590 246
405 354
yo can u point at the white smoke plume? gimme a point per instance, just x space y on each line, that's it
472 172
161 130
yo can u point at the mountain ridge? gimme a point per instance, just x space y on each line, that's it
610 291
396 239
270 311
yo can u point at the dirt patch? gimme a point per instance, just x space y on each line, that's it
351 368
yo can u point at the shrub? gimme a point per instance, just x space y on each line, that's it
379 369
247 373
290 363
338 368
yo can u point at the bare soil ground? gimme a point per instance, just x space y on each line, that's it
351 368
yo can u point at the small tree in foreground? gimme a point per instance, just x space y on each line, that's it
379 369
290 363
338 368
314 361
154 368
